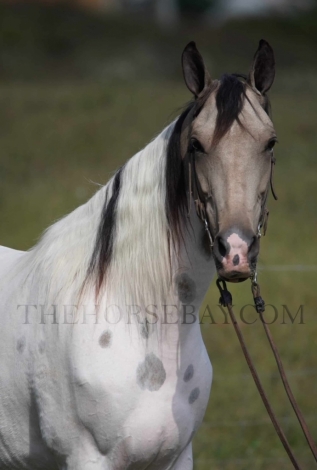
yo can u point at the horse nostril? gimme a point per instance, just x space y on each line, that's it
253 250
222 247
236 260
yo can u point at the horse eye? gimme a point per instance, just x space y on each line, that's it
271 144
195 146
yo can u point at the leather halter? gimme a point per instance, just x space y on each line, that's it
194 186
264 211
194 190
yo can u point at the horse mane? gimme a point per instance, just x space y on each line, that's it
131 248
229 101
115 246
102 252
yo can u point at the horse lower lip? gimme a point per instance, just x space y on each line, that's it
237 279
234 277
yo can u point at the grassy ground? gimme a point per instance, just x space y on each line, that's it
59 137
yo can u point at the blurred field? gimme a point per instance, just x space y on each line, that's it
61 135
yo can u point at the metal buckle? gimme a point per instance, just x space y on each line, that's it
254 278
259 234
208 232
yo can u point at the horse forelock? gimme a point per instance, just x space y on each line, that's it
230 98
229 101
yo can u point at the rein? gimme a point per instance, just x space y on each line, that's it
195 191
226 301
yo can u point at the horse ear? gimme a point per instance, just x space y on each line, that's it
262 71
195 73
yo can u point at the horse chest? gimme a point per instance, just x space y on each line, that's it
142 405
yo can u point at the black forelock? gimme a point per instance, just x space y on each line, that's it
229 101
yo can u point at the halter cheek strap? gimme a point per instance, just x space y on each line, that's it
273 161
264 211
195 191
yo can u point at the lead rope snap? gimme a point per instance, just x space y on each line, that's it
225 296
208 233
258 301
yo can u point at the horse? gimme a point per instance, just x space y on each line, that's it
102 362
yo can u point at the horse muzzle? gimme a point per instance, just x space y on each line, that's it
235 253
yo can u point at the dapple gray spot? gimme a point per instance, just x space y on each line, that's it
146 330
41 347
194 394
186 288
151 373
21 345
105 339
189 373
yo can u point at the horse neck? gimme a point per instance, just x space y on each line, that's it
141 271
196 266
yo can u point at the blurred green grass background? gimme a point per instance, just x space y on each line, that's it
81 94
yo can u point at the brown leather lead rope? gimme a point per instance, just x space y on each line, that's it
226 301
300 417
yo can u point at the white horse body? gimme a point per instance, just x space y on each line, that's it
105 387
124 385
